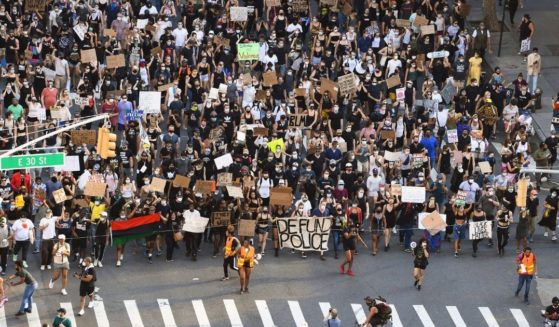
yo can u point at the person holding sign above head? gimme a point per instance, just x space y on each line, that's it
459 231
350 235
245 262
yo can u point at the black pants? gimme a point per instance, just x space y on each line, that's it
170 242
191 242
502 237
24 247
229 261
4 258
475 244
46 252
99 250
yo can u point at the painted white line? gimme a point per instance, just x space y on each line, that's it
33 317
265 314
100 314
423 316
297 313
201 314
232 312
396 322
488 316
3 322
69 312
519 317
455 315
358 312
133 313
166 313
325 308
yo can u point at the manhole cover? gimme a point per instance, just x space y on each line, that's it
554 49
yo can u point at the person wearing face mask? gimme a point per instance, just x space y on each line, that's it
191 239
48 233
31 286
350 237
102 232
478 215
262 229
548 219
490 203
98 206
264 186
471 188
5 234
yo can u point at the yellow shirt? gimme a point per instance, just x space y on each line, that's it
96 211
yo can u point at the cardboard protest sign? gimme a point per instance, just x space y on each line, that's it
300 92
195 224
87 56
427 30
84 136
181 181
158 185
224 179
214 93
420 21
460 198
109 32
81 101
247 77
116 93
304 233
273 3
238 14
330 86
205 187
222 88
346 84
260 95
235 191
115 61
295 121
329 3
270 78
59 195
155 51
479 230
403 23
522 191
150 102
220 218
392 156
413 194
452 135
300 6
260 131
485 167
393 81
95 189
433 222
247 227
347 9
34 5
224 161
282 196
387 134
80 31
81 203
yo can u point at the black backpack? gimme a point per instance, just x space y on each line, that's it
384 312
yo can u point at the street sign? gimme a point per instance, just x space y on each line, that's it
32 161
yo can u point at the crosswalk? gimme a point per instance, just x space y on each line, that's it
164 312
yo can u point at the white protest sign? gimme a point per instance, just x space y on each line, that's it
223 161
452 135
437 54
238 14
304 233
413 194
235 191
71 163
241 136
80 31
480 230
392 156
150 102
141 23
195 224
41 114
401 94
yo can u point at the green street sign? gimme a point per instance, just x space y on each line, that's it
32 161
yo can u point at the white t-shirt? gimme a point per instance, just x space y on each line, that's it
50 231
21 229
180 36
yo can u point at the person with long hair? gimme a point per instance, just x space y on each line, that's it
350 235
420 262
245 263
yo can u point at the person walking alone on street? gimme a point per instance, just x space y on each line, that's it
61 320
527 269
60 253
31 286
420 262
87 278
534 66
331 319
232 246
245 262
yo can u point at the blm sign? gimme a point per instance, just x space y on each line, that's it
304 233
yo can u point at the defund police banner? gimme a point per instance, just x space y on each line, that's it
304 233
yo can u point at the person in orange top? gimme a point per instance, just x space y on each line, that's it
527 269
245 262
232 245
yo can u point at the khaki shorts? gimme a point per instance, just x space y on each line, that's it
62 266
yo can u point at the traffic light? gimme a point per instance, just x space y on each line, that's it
106 143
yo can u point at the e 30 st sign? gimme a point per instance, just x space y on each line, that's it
32 161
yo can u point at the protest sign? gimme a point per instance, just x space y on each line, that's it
300 92
420 21
300 6
195 224
95 189
272 145
238 14
59 195
81 101
438 54
413 194
34 5
401 93
460 199
260 131
387 134
452 135
116 61
80 31
417 159
214 93
247 227
216 133
165 87
260 95
248 51
241 136
304 233
84 136
204 187
485 167
81 203
247 77
158 185
87 56
480 230
346 84
235 192
270 78
393 81
222 88
330 86
224 179
392 156
427 30
223 161
329 3
273 3
282 196
109 32
448 92
181 181
434 222
220 218
150 102
155 51
71 163
141 23
522 191
134 115
403 23
295 121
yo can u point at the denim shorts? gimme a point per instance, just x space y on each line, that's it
459 232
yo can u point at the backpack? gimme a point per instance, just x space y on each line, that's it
384 312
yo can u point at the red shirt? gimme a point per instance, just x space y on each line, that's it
49 97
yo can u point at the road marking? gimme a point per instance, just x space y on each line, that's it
3 322
265 314
201 314
297 313
455 315
325 308
519 317
69 312
167 313
133 313
33 317
396 322
358 312
488 316
423 316
232 312
100 314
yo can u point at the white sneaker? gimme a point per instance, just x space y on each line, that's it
545 234
81 313
49 267
64 292
42 267
95 262
554 238
81 261
91 304
122 257
100 264
118 263
51 283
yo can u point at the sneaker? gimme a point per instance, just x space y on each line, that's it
350 273
544 235
28 310
81 313
118 263
169 260
456 254
64 292
51 283
95 262
100 264
35 251
25 265
122 257
224 279
14 257
342 269
20 313
91 304
42 267
49 267
554 238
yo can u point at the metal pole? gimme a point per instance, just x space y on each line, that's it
536 170
58 131
502 26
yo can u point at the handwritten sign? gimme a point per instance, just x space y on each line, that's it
393 81
195 224
346 84
281 196
158 185
403 23
401 93
34 5
224 179
427 30
95 189
392 156
84 136
247 227
295 121
150 102
80 31
330 86
224 161
270 78
181 181
115 61
420 21
304 233
485 167
452 135
87 56
220 218
479 230
248 51
460 199
235 192
413 194
433 222
205 187
59 196
522 191
238 14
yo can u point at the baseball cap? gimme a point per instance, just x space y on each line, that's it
61 310
61 237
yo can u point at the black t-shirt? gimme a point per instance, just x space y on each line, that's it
89 271
552 310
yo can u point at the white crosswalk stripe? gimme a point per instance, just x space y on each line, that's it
396 322
324 308
100 314
201 314
455 316
133 313
3 317
265 314
519 317
359 313
423 316
297 313
33 317
166 313
69 312
488 316
232 312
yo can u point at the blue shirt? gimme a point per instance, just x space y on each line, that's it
430 144
123 108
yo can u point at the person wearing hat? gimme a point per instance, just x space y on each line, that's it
60 254
61 320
